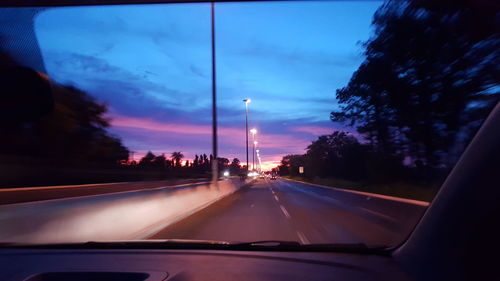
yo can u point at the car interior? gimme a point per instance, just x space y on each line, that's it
456 238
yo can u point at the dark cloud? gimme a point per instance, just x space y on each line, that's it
197 71
126 92
268 52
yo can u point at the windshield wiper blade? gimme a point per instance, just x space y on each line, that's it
349 248
328 247
265 245
125 244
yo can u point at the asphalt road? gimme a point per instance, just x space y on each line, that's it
288 210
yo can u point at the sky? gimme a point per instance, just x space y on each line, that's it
151 65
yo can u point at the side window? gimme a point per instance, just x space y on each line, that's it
132 90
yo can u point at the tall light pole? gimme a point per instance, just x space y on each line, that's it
247 101
253 131
253 164
260 161
215 169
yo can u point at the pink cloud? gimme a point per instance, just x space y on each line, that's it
287 142
181 128
270 162
228 136
231 135
152 125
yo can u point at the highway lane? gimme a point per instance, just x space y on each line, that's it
289 210
32 194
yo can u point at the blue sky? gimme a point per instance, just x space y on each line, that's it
151 65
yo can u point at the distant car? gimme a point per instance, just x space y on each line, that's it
273 177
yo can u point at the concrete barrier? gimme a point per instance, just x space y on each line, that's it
116 216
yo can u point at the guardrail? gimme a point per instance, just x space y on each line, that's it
115 216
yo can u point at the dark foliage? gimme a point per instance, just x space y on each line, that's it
73 132
429 79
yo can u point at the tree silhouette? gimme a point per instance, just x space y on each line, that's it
177 157
222 163
160 161
195 161
235 167
290 164
74 132
341 155
430 76
147 160
206 163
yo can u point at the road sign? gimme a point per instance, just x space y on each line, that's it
301 170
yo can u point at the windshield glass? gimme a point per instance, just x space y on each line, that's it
335 122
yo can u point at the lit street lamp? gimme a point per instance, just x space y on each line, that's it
260 160
247 101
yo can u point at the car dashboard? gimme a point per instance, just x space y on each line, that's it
156 265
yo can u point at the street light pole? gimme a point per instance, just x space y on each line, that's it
260 162
253 131
253 164
215 169
253 156
247 101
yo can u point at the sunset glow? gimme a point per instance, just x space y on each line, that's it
151 66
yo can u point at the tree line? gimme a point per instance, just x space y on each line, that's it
341 155
73 132
429 79
201 164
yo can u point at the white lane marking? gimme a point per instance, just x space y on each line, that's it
378 214
314 194
287 215
303 238
386 197
342 204
252 205
276 197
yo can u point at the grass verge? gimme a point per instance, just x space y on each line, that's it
402 190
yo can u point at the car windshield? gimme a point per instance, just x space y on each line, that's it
329 122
